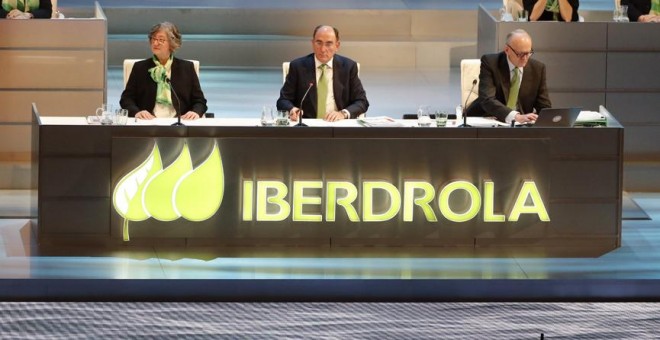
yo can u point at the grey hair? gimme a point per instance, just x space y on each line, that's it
172 32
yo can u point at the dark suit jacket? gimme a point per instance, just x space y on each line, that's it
494 83
140 91
44 12
548 16
637 8
347 86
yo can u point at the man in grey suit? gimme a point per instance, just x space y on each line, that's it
331 75
512 86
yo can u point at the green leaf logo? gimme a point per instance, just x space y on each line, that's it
198 194
159 190
127 196
173 192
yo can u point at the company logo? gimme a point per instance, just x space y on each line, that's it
166 194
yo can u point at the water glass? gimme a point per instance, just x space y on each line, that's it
441 118
523 15
105 114
282 118
120 117
424 116
267 116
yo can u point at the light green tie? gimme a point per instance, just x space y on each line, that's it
513 90
655 7
322 94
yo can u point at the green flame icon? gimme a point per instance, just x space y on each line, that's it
173 192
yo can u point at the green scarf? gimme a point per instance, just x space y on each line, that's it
9 5
655 7
553 6
159 75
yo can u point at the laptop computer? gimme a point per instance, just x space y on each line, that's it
558 117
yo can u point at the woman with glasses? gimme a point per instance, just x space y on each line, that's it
552 10
163 86
26 9
512 86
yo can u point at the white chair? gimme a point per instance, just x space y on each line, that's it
469 72
285 70
128 67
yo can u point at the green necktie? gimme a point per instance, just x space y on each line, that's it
322 94
655 7
513 90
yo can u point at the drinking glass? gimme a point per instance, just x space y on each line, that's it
267 117
523 15
282 118
623 13
121 117
441 118
424 116
105 114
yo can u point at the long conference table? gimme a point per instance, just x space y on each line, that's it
339 186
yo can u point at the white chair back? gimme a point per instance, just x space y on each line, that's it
469 72
128 67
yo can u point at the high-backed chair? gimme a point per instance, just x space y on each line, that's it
285 70
469 72
128 67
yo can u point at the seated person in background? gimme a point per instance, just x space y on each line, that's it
148 92
332 74
16 9
552 10
511 85
643 10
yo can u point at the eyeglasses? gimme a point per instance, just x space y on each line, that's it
521 55
156 40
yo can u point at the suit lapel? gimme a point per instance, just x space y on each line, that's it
337 81
310 70
505 73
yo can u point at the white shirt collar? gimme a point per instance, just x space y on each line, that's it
318 63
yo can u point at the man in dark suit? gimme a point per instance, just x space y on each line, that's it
642 11
163 86
497 97
329 73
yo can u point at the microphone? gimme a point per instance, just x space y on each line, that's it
465 124
178 121
300 122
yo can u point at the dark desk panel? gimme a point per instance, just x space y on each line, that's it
577 172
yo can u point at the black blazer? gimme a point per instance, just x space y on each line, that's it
494 83
548 16
347 87
140 91
637 8
44 11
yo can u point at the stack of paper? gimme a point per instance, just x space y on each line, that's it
381 121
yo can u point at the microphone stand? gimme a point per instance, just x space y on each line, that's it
300 119
178 116
465 124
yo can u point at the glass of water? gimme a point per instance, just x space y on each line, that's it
282 118
267 116
424 116
441 118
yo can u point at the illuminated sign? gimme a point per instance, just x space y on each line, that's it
263 189
170 193
333 200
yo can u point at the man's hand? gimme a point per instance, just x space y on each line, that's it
526 118
144 114
295 113
190 115
334 116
